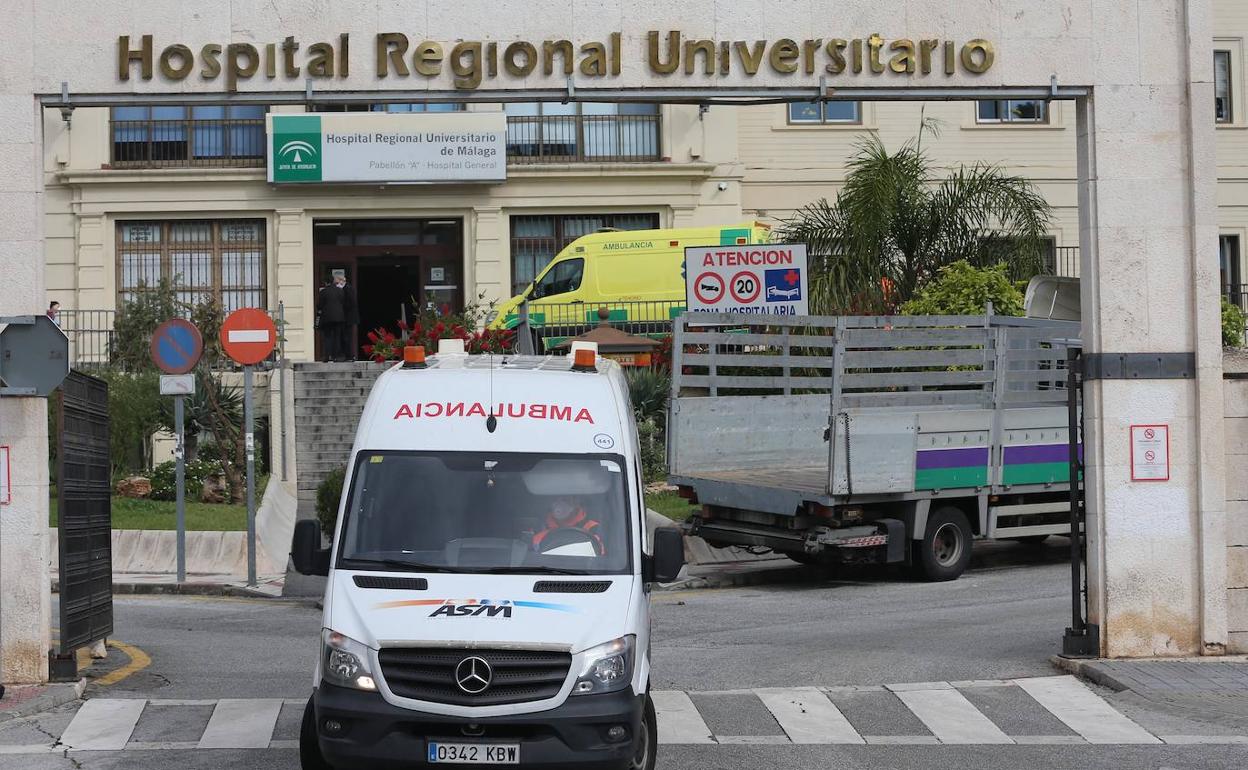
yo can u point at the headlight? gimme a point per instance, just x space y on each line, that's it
344 662
607 668
491 317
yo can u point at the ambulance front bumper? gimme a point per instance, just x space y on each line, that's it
375 734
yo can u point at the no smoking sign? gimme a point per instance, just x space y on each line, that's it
1150 452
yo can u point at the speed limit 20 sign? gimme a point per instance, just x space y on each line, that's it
765 278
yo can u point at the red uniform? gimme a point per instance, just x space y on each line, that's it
580 520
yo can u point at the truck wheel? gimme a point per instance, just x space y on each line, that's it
647 743
309 749
945 549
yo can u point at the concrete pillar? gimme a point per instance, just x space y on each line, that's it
25 601
293 280
1157 549
487 260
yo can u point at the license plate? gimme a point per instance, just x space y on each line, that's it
474 753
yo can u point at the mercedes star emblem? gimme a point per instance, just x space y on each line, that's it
473 675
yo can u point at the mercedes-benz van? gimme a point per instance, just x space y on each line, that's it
487 600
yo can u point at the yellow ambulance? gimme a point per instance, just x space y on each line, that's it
636 274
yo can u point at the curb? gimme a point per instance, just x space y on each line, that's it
791 573
1079 667
188 589
54 695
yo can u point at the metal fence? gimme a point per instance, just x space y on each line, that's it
582 138
93 340
1065 261
90 335
550 324
231 142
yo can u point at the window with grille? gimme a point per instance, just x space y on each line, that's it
219 258
400 107
582 131
535 240
178 135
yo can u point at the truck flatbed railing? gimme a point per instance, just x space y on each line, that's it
751 392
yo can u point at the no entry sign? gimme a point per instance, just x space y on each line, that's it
176 346
766 278
248 335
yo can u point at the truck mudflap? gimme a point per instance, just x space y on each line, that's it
892 539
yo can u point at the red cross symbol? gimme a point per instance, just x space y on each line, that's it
791 277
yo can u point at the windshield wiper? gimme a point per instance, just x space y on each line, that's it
530 571
410 566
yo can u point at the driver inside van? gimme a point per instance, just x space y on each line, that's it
567 513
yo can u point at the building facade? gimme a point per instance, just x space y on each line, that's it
138 193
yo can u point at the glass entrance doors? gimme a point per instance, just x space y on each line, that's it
399 269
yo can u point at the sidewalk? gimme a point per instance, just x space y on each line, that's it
24 700
268 586
1212 684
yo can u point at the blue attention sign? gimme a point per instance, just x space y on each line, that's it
176 346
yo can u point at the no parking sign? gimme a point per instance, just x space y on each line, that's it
765 278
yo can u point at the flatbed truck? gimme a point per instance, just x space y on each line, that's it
892 439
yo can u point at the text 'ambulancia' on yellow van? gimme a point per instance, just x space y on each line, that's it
636 274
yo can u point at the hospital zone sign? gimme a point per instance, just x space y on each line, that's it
763 278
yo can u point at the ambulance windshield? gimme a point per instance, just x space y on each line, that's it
487 513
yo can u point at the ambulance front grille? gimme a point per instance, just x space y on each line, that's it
518 676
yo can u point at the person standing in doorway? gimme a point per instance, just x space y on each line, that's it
54 309
336 313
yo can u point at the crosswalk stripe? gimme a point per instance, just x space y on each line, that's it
951 717
241 724
1084 711
679 720
807 716
103 724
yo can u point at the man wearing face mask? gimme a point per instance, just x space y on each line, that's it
567 513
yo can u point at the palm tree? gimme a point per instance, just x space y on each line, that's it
895 224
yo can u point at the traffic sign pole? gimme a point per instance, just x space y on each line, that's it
179 453
249 438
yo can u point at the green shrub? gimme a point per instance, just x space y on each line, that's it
164 478
135 412
962 289
1232 325
649 389
328 493
653 441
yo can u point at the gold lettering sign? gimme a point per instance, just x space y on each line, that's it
473 62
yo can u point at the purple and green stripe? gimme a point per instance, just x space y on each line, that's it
968 466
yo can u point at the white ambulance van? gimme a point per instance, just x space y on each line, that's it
488 584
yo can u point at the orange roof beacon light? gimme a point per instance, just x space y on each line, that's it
414 357
584 360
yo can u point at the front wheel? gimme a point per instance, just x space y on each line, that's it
945 550
310 757
647 743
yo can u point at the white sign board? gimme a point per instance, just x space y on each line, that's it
764 278
1150 452
5 495
387 147
177 384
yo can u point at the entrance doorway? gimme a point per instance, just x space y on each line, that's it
398 268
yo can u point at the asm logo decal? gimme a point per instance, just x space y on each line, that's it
458 608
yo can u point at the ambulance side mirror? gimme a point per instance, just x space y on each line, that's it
306 551
668 557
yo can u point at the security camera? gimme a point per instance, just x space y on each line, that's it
723 186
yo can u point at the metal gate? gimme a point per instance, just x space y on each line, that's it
84 513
